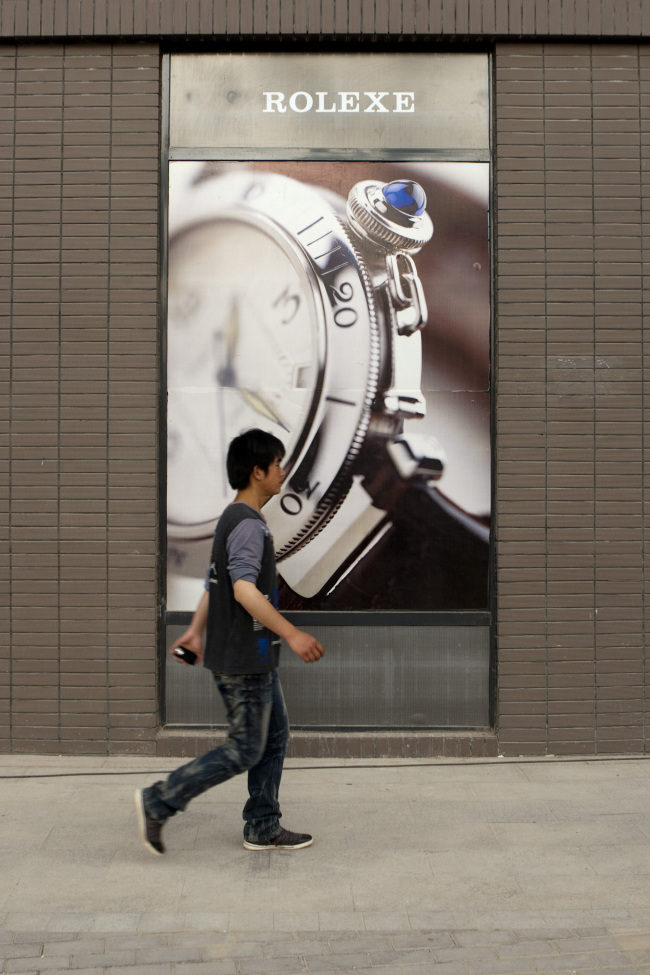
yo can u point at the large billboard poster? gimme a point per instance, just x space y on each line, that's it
339 298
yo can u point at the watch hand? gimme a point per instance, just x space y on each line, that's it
230 335
261 405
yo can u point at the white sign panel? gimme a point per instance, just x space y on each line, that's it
347 102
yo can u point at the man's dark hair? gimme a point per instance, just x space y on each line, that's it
255 448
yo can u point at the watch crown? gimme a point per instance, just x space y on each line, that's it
391 216
406 196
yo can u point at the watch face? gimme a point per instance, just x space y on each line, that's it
245 349
271 323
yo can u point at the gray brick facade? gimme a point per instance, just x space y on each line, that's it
80 253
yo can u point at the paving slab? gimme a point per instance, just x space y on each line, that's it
462 867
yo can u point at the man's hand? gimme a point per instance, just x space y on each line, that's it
306 646
191 641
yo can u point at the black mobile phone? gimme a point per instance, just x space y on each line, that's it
184 654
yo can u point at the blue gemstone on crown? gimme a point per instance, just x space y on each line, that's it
405 196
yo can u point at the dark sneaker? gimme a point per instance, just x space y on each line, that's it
150 829
283 841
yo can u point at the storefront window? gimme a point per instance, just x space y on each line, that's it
328 280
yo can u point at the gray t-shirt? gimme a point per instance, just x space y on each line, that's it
244 548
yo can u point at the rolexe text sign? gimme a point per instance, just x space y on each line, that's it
329 102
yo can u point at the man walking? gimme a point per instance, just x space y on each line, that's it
243 629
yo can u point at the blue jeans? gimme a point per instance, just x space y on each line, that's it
258 732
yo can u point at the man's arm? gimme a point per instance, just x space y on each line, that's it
257 605
193 636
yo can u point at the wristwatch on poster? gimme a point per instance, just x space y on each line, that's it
292 310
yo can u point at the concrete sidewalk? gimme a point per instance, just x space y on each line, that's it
485 867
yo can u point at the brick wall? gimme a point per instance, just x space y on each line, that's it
79 184
79 318
572 124
263 19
